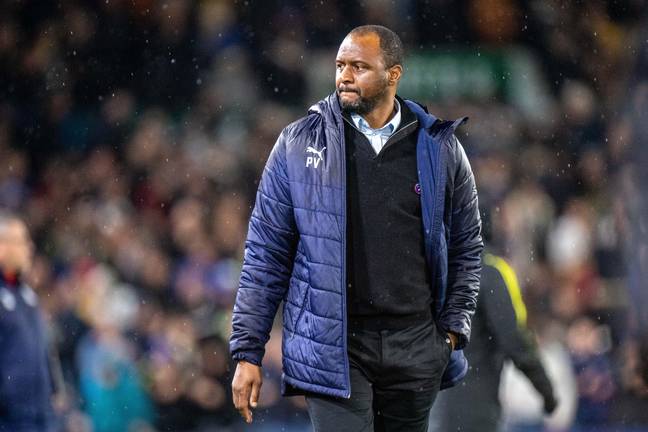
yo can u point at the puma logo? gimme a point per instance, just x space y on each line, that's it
314 161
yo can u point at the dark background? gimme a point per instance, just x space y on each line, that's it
133 133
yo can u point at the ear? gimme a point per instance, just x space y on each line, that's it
394 74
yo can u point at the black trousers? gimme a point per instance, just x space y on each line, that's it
395 377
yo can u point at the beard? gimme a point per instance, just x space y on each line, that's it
363 105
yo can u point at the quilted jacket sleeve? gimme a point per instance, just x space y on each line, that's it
464 249
268 260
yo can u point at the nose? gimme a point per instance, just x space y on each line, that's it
345 75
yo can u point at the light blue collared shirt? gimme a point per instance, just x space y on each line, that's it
378 137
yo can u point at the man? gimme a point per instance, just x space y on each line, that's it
25 380
366 225
499 331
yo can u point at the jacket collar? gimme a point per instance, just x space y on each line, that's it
426 120
329 107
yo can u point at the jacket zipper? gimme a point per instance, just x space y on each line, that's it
390 141
440 169
344 260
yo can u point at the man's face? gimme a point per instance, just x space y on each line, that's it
361 78
15 247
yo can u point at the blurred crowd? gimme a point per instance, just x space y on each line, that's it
133 134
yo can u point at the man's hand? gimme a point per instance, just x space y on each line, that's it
453 340
245 388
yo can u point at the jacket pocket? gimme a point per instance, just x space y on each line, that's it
443 338
302 306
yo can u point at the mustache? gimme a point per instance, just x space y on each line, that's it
347 89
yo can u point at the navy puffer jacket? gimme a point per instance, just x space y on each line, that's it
295 249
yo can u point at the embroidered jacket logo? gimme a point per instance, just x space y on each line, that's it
315 160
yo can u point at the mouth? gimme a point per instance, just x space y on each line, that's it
347 91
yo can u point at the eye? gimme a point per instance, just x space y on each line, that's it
339 66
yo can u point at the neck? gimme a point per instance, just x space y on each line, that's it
381 114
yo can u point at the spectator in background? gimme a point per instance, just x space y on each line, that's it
589 346
25 379
109 381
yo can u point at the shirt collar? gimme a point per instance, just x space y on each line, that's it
387 130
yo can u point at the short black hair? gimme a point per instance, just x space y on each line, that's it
390 44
